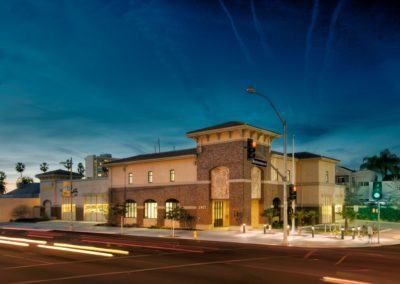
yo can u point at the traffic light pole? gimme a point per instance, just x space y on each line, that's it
379 222
293 176
251 90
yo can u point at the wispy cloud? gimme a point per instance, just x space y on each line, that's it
309 41
236 33
259 29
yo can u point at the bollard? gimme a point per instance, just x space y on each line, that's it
358 231
354 232
195 234
244 228
312 231
269 228
265 229
342 233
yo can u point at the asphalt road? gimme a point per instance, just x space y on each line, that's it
154 260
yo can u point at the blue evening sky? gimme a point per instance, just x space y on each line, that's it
90 77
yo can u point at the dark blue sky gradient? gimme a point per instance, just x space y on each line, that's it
82 77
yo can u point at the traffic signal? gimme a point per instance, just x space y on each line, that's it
292 192
251 149
377 190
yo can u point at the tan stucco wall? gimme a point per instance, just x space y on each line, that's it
277 162
7 205
52 190
185 172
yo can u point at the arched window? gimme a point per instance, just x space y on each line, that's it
47 208
277 206
150 209
131 209
220 183
171 204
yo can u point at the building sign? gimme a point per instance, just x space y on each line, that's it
259 162
66 192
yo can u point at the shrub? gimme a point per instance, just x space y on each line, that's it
21 211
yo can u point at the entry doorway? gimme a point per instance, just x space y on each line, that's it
255 213
47 208
220 213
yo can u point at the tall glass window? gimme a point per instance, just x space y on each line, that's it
172 175
150 209
171 204
131 209
130 178
150 176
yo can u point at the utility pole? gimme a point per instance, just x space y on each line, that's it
294 185
71 195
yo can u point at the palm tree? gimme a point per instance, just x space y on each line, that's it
20 168
81 168
2 182
385 164
44 167
67 164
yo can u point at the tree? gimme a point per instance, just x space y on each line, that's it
67 164
118 210
269 214
44 167
23 181
2 182
386 163
177 213
21 211
81 168
349 215
20 168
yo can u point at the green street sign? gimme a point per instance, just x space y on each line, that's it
377 190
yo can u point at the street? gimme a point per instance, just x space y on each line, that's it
164 260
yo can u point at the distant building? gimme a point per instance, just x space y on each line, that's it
27 195
94 165
353 179
89 203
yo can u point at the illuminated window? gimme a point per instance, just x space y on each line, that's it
172 175
130 178
131 209
326 177
149 176
150 209
171 204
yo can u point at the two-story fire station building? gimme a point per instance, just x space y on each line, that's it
216 183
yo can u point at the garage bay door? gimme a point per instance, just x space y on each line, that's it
95 208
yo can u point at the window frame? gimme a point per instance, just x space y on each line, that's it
150 176
130 178
172 175
150 209
130 209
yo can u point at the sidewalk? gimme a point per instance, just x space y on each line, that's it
252 236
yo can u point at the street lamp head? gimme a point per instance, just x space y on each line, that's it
250 90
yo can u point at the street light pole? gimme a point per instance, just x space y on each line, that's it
251 90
